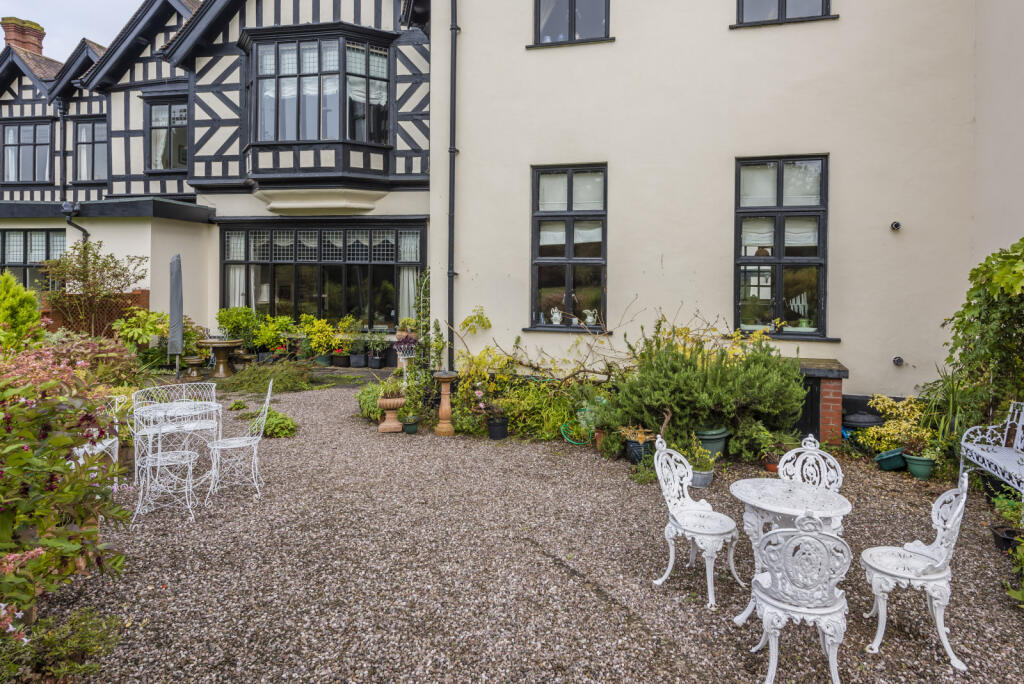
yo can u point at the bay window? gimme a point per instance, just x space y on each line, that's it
320 89
368 271
781 217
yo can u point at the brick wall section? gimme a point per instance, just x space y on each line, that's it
139 298
831 410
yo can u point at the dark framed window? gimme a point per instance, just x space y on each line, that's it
781 231
570 21
569 247
27 152
301 87
91 151
167 126
23 251
366 270
760 12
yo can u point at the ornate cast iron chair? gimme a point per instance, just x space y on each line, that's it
809 464
803 567
236 459
695 520
919 566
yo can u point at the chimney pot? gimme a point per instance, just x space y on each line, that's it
24 34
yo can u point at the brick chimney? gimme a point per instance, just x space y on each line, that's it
22 33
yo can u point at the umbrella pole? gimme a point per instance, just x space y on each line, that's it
177 367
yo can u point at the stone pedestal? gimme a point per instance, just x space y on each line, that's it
390 408
444 414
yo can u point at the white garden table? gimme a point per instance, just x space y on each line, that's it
778 503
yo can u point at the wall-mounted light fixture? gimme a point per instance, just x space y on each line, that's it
895 226
897 361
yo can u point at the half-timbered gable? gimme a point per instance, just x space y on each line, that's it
29 156
148 102
306 93
82 143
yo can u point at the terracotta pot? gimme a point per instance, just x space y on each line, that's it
390 408
598 438
771 467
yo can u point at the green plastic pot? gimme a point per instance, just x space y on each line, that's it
713 439
322 359
891 460
410 427
921 468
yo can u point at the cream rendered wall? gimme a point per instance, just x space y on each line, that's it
120 237
886 91
999 143
197 244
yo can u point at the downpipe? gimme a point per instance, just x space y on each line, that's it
452 152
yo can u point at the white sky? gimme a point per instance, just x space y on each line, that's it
68 21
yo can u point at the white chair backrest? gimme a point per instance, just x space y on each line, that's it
809 464
674 476
166 394
260 421
947 514
1015 423
805 563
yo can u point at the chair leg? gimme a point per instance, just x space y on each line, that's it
937 606
881 601
741 619
671 558
831 632
214 473
732 561
693 553
709 570
773 656
256 469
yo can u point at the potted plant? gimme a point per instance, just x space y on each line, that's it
920 456
891 459
339 356
781 443
1008 505
377 342
391 399
407 330
491 407
321 337
410 423
357 352
713 438
639 441
701 460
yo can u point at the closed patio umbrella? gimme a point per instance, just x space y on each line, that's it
174 337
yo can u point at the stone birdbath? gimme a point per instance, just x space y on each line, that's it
444 413
221 349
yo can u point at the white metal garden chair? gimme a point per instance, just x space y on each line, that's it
920 566
169 478
111 444
803 568
164 416
236 459
695 520
809 464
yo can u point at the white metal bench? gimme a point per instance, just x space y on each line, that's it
998 449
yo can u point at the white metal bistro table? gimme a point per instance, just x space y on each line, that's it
174 419
778 503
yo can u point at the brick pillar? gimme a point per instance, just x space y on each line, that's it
831 408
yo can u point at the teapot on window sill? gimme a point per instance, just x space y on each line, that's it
556 316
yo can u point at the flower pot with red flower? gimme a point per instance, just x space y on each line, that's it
493 410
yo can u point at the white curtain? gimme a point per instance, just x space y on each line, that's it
757 233
758 184
235 285
158 147
553 190
408 246
357 91
801 183
260 291
588 191
801 231
407 277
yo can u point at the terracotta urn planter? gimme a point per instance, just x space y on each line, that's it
390 408
193 363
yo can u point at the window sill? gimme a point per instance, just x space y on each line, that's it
806 337
565 43
89 183
775 22
26 184
166 172
572 329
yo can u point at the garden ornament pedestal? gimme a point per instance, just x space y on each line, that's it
192 365
444 413
221 349
390 406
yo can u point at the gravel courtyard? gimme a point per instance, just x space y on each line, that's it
418 558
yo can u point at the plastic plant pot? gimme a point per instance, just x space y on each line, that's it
921 468
411 426
891 460
702 479
635 451
713 439
1006 538
497 428
357 360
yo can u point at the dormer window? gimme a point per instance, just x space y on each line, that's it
301 87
